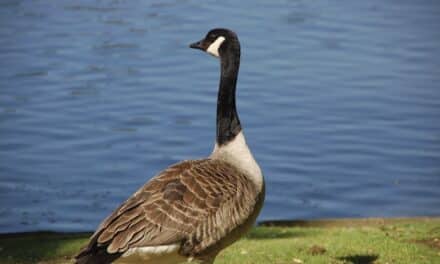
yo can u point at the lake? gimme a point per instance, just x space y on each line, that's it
340 104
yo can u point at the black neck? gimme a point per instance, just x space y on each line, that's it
228 124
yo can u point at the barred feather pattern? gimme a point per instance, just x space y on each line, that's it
195 203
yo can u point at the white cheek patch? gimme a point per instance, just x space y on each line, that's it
213 48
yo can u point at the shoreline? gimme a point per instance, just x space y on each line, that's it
348 222
316 223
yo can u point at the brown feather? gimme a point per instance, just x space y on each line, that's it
195 203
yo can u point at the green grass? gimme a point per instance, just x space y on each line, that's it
39 247
334 241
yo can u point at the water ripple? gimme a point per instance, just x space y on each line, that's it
339 103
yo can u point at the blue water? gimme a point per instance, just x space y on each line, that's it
340 102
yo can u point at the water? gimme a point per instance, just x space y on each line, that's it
340 103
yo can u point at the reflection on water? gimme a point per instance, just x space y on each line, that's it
340 104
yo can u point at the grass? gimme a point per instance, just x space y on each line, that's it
347 241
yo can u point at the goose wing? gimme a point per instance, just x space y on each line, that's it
194 203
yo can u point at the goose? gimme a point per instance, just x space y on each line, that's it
193 209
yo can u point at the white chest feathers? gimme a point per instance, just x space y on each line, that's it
237 153
165 254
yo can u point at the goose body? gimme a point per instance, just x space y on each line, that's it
193 209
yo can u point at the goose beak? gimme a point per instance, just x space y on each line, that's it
197 45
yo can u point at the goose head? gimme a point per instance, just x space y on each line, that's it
218 42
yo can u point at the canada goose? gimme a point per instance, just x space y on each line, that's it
193 209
